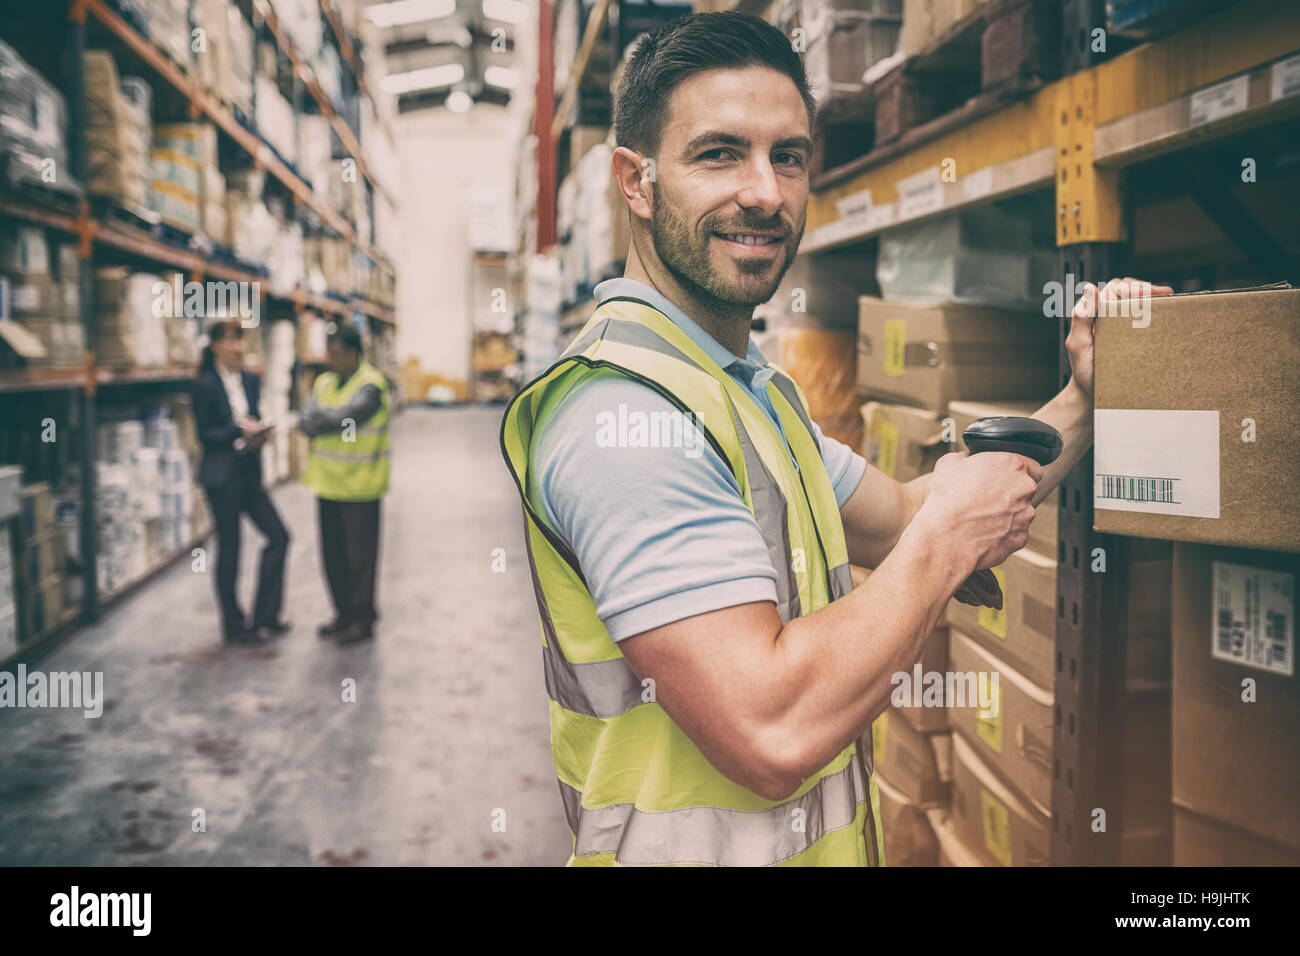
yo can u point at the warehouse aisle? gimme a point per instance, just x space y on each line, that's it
448 727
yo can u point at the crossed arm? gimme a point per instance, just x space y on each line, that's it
315 420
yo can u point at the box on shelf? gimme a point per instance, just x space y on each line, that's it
33 121
992 820
40 556
1023 632
1043 530
1236 714
820 291
35 509
902 441
11 480
821 361
909 840
1195 399
908 760
930 355
952 852
1203 841
42 608
927 20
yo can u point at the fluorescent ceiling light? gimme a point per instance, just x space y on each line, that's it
458 101
501 76
425 79
401 12
509 11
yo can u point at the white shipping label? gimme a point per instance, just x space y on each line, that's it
1156 461
977 185
1222 99
1286 78
920 194
855 206
1252 622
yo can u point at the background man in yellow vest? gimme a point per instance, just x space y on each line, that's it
711 670
347 421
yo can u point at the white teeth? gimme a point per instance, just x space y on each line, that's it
751 240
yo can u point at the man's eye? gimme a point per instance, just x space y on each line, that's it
791 159
719 153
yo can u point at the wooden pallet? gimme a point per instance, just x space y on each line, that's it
1005 49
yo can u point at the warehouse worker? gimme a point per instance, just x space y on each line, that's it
712 673
347 422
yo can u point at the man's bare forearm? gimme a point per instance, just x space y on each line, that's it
840 661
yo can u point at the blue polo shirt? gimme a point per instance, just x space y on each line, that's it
661 533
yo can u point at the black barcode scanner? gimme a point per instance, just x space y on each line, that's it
1020 436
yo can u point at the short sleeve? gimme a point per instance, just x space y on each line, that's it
661 533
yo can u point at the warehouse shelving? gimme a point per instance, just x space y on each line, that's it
108 230
1231 71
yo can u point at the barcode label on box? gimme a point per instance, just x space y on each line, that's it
1252 623
1222 99
1157 461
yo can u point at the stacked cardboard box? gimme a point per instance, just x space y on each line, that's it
130 328
183 155
42 294
33 123
844 38
118 132
38 563
1003 770
1236 714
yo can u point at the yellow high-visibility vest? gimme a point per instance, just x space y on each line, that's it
636 790
350 464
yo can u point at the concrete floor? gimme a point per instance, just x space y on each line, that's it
449 726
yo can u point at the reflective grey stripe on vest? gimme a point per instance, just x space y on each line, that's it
717 836
601 689
786 387
353 457
841 581
770 511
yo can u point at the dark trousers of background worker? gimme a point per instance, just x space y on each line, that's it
349 538
244 495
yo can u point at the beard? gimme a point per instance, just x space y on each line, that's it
685 254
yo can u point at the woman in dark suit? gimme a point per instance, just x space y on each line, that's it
225 400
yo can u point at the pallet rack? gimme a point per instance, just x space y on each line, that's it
1077 135
74 219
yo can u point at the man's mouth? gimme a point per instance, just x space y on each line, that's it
750 238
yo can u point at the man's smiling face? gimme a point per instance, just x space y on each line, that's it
731 183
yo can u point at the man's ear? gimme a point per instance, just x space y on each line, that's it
634 175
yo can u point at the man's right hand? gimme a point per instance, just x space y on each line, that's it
982 504
250 427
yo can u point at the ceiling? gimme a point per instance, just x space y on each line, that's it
451 53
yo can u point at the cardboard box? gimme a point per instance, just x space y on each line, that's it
36 509
934 659
42 608
821 291
930 355
909 840
1023 633
1201 841
821 362
42 556
926 20
1235 760
1177 455
1016 742
990 819
952 852
907 759
1015 736
901 441
1043 529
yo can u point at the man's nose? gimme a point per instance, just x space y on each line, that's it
760 189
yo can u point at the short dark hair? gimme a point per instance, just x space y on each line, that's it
346 336
688 45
